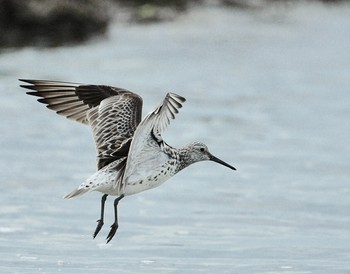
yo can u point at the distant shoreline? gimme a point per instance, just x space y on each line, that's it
50 23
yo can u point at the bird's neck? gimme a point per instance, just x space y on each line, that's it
183 158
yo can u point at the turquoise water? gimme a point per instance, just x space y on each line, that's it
268 91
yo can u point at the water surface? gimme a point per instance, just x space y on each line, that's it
268 91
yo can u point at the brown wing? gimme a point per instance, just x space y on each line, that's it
113 113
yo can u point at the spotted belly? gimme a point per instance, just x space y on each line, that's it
135 184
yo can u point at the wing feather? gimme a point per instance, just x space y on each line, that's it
113 113
165 112
147 146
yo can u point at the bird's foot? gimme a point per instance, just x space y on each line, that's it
112 232
98 228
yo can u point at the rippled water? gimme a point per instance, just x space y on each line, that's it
268 91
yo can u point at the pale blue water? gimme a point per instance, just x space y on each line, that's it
268 91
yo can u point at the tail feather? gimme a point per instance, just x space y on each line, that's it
103 180
77 192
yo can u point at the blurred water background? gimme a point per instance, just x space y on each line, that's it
268 91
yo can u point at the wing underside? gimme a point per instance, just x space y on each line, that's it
147 147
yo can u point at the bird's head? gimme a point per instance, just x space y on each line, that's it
198 151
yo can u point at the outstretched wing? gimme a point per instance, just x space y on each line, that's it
147 147
161 116
113 113
113 124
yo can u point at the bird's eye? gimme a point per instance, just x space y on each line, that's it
202 149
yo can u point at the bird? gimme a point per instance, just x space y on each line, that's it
131 154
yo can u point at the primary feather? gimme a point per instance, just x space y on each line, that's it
113 113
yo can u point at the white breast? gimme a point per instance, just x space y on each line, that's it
147 179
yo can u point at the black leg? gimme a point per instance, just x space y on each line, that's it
114 226
100 221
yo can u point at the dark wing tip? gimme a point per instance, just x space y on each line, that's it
182 99
31 82
25 81
177 98
28 87
33 93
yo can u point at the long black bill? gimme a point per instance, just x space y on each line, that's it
213 158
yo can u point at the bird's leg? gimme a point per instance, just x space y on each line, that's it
114 226
100 221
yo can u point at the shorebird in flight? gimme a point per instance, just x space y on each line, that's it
131 153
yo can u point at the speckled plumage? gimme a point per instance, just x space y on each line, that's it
131 154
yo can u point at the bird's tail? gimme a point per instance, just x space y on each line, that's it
83 188
77 192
